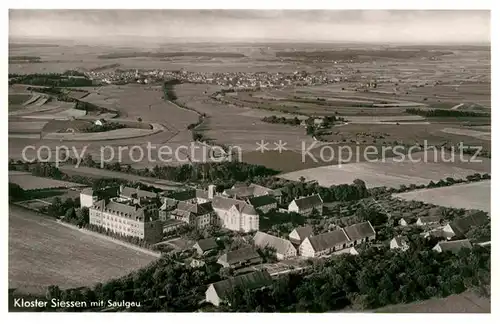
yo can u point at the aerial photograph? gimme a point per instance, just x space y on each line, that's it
258 161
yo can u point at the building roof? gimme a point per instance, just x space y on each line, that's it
260 201
401 240
359 231
328 240
169 204
207 244
226 204
239 255
463 224
243 191
308 202
252 280
88 191
188 194
304 231
196 209
137 193
430 219
455 246
122 209
281 246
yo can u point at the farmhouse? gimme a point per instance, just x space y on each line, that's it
239 258
218 292
399 243
236 215
284 248
360 233
299 234
324 244
263 203
460 226
128 218
452 246
306 205
428 220
205 246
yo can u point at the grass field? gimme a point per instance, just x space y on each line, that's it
474 195
43 253
29 182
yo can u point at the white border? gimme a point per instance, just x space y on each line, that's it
255 4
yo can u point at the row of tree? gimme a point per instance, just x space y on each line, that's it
445 113
51 80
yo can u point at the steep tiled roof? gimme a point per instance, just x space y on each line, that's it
401 240
463 224
328 240
138 193
359 231
196 209
226 204
249 281
455 246
281 246
304 231
309 202
430 219
207 244
240 255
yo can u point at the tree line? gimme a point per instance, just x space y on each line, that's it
445 113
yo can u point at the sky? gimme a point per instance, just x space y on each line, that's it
373 26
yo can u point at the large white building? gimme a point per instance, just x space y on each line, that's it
235 215
127 217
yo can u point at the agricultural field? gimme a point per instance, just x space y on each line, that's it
43 252
103 173
393 172
467 302
30 182
474 195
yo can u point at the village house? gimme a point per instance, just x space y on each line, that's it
284 248
306 205
324 244
428 220
263 203
399 243
440 232
360 233
205 246
240 258
299 234
405 221
460 226
196 263
351 250
452 246
219 292
235 215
